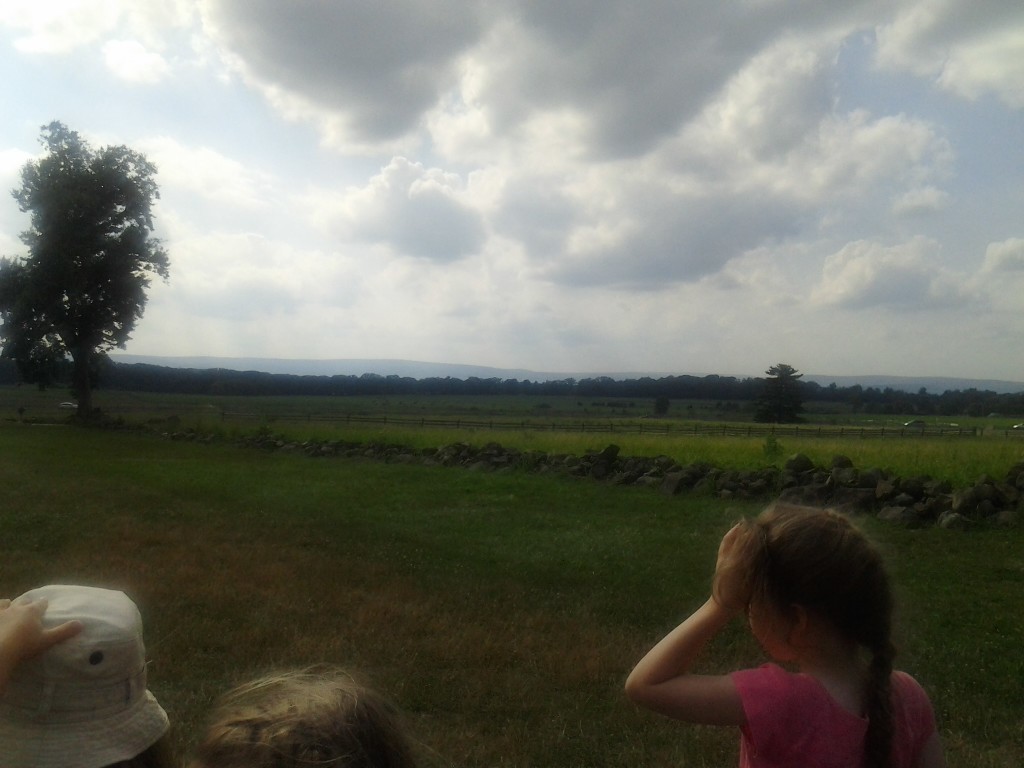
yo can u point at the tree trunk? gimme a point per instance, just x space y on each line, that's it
80 381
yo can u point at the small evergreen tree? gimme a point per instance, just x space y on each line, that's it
781 401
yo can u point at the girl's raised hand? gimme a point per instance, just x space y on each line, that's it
732 587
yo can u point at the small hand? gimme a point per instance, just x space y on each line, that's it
22 635
731 586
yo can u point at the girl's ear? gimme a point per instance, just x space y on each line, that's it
799 627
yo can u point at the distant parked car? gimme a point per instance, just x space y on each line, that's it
68 406
914 423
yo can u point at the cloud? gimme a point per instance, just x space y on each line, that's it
770 106
866 275
1005 257
366 70
11 163
247 275
57 27
625 76
208 174
767 160
631 74
920 200
132 61
660 238
970 49
413 210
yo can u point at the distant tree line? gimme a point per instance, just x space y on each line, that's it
726 389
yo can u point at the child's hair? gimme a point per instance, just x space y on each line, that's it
817 559
318 716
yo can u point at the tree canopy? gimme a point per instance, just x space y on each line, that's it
780 401
82 286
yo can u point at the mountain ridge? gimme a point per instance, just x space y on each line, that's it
422 370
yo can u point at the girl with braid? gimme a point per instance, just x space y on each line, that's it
818 599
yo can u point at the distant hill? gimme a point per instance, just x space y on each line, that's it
347 367
423 370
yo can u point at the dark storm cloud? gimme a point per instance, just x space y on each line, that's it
380 62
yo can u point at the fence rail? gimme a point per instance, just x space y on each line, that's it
622 427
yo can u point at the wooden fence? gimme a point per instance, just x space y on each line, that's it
624 427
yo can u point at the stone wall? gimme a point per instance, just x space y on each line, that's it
911 501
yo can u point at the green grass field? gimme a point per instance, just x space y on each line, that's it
500 611
961 461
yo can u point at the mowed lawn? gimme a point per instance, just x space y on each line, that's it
500 611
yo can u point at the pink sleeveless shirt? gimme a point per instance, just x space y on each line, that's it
793 722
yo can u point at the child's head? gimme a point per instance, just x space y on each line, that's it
84 702
819 561
319 716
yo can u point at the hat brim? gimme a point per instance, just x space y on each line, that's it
93 744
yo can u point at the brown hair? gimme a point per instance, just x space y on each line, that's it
819 560
319 716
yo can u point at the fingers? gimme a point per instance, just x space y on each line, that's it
729 540
59 634
34 608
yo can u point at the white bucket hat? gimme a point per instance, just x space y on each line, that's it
83 703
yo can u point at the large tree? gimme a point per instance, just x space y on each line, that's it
82 286
780 401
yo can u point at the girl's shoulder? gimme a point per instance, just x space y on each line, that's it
904 681
913 719
774 684
771 674
911 701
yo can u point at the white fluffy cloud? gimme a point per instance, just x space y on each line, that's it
1007 256
413 210
207 173
58 27
970 49
903 277
130 60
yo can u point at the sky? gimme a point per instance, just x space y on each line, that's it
652 185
